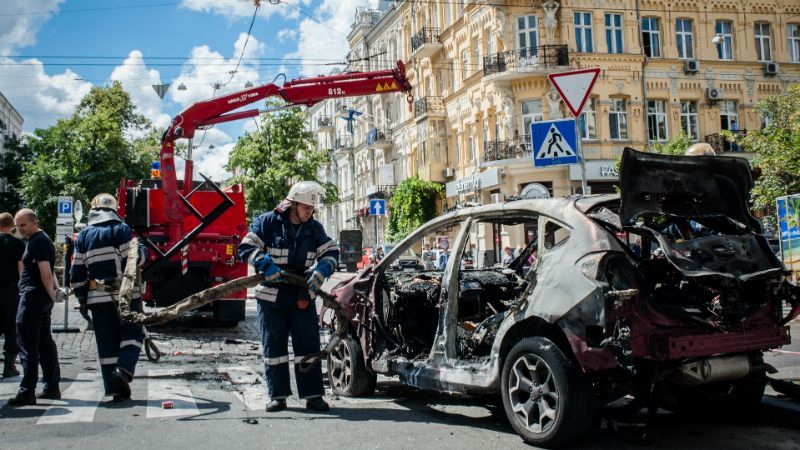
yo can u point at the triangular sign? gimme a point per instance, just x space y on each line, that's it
161 89
574 87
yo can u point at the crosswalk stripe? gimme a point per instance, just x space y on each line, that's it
79 402
9 386
177 391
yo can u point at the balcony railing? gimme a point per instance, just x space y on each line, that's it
427 105
518 147
377 135
721 145
344 142
324 122
544 56
424 36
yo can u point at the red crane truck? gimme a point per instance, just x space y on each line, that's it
193 227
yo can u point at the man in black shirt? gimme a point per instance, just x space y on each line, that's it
36 293
11 250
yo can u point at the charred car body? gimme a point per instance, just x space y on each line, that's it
683 325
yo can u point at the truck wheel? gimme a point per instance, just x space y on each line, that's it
347 374
545 396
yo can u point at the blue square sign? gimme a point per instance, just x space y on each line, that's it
554 142
65 206
377 207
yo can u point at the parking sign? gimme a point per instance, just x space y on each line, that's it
64 206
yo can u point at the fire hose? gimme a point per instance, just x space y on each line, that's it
207 296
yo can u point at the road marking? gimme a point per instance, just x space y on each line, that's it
79 402
788 352
248 386
9 386
177 391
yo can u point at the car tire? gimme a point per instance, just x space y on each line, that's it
347 374
563 393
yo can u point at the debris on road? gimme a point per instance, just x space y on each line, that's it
167 404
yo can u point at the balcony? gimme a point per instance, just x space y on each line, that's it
325 123
523 62
433 106
721 145
378 138
344 143
431 160
425 43
518 148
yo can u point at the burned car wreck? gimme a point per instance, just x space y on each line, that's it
578 319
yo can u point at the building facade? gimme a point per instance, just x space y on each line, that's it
10 128
480 79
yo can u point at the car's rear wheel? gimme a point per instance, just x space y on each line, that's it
347 374
544 396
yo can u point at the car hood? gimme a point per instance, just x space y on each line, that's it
691 187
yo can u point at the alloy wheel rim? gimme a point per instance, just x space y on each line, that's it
533 393
341 370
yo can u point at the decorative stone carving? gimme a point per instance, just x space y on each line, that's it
500 23
620 87
554 105
550 20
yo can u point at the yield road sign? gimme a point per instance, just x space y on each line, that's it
574 87
65 206
554 142
377 207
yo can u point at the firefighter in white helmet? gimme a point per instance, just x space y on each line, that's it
288 239
101 252
700 149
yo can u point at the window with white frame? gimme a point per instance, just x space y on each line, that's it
618 119
476 45
793 31
763 41
689 119
728 115
527 35
656 120
490 45
531 112
583 32
651 37
614 33
457 150
464 64
724 28
589 121
447 18
471 145
684 38
435 15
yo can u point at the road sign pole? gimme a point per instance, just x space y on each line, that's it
581 159
67 255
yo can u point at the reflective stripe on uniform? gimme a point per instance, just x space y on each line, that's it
133 342
326 247
310 257
253 239
77 259
267 293
105 361
96 297
277 360
279 255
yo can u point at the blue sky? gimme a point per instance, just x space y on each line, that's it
49 53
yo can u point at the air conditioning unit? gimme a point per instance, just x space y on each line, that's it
449 172
498 198
771 68
691 66
713 93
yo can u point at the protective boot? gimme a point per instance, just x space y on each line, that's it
23 400
276 405
9 369
121 387
317 404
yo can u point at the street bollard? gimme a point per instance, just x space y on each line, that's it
68 249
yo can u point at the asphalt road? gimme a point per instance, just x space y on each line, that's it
214 378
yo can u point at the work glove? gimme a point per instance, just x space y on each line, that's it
83 308
270 270
318 276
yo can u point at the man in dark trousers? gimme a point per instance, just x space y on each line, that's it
36 294
11 250
288 239
101 252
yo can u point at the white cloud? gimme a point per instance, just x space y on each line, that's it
40 98
138 81
326 37
208 161
206 67
287 34
19 27
235 9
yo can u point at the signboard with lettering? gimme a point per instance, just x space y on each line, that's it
473 183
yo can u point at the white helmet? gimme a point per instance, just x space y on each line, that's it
104 201
700 149
306 192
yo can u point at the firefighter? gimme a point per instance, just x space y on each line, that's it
288 239
700 149
101 252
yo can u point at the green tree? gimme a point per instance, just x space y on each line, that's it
413 203
280 152
677 145
17 153
85 154
777 150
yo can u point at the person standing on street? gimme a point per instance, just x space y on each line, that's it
288 239
37 288
101 252
11 250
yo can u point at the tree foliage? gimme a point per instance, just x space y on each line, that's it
777 150
16 154
677 145
413 203
280 152
85 154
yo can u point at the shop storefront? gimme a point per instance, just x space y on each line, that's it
601 176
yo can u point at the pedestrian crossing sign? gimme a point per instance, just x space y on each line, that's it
554 142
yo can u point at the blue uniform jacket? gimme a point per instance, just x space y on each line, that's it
294 249
101 252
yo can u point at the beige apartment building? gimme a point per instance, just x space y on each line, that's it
480 79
